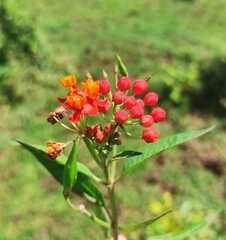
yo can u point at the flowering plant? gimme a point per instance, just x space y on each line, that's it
128 103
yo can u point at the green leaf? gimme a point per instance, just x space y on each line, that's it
134 227
161 145
121 66
70 171
191 230
127 154
84 185
82 168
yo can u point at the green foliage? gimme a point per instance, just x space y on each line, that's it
188 221
181 79
70 171
84 185
121 66
127 154
18 35
161 145
19 46
134 227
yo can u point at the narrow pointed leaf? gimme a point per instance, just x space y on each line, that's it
70 171
126 154
84 185
188 232
82 168
134 227
121 66
163 144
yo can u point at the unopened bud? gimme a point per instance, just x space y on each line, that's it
54 149
56 115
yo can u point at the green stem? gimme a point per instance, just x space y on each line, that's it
92 150
109 171
93 217
114 217
113 166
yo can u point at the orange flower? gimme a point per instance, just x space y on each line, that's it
91 88
76 101
68 81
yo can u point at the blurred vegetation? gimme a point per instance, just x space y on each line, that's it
181 44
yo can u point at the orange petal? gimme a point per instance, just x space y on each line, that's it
76 101
91 88
68 81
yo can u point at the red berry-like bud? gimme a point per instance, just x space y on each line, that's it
136 111
129 102
118 97
104 86
140 87
108 128
99 136
90 131
158 114
146 120
103 105
150 135
151 99
124 83
121 116
140 102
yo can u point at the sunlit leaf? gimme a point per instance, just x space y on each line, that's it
121 66
163 144
127 154
188 232
135 227
84 185
70 171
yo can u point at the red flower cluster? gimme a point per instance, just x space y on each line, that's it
134 106
95 97
102 135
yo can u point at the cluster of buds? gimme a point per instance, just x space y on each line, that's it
129 103
140 104
109 134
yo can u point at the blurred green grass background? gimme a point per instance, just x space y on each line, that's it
180 43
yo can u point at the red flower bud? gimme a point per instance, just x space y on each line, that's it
129 102
151 99
54 149
99 136
124 83
136 111
140 87
103 105
150 135
146 120
108 128
140 102
104 86
90 131
158 114
118 97
121 116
